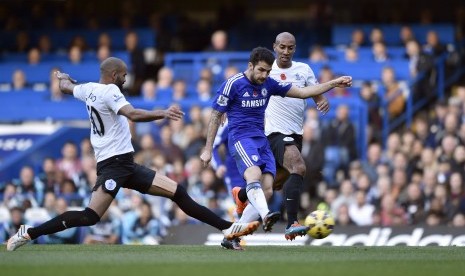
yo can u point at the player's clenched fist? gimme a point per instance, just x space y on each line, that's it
206 156
174 113
344 81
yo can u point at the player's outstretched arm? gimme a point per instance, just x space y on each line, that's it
315 90
142 115
213 125
66 84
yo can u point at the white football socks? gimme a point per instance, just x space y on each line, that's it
257 198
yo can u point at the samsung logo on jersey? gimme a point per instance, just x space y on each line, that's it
254 103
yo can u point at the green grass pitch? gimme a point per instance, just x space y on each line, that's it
200 260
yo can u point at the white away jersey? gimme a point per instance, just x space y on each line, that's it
109 133
286 115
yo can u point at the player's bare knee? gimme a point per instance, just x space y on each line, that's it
90 217
299 168
268 192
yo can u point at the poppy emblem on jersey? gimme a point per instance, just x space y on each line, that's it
255 94
264 92
288 139
222 100
283 76
255 158
110 184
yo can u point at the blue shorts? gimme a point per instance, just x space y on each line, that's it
254 151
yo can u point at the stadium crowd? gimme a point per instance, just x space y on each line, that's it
415 178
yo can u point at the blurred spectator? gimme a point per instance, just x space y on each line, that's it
164 79
361 211
343 218
445 152
317 54
48 177
69 162
141 227
391 214
149 90
456 191
420 65
218 42
357 39
339 142
326 74
104 39
195 116
371 98
16 220
10 197
378 191
393 92
22 44
29 188
439 207
86 148
450 127
206 74
87 179
345 196
399 185
68 192
103 52
351 54
179 90
167 147
372 161
376 35
178 135
313 155
421 129
45 45
137 63
18 80
80 42
33 56
406 34
75 54
458 163
194 142
433 46
147 150
379 52
414 204
203 90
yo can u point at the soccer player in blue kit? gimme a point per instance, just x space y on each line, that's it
244 98
226 169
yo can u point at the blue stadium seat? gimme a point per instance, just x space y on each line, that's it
83 72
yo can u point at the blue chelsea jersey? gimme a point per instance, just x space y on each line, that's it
245 104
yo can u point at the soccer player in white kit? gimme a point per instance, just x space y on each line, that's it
284 119
109 112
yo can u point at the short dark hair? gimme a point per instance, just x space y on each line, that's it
261 54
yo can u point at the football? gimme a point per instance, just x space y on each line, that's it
320 223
